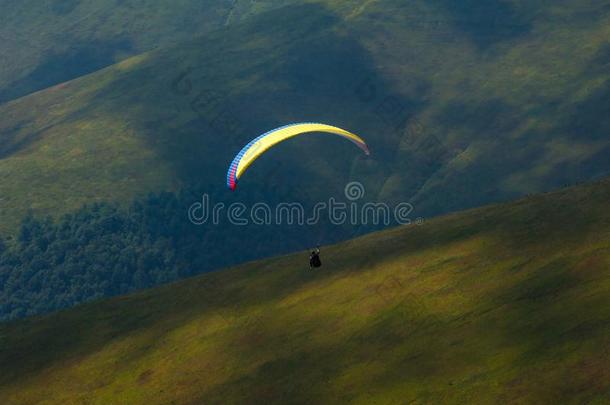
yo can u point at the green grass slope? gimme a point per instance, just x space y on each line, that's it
462 104
503 304
43 43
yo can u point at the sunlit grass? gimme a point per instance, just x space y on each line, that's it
500 304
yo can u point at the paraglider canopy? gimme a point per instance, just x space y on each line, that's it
259 145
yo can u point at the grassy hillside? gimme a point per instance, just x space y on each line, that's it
462 105
44 43
507 304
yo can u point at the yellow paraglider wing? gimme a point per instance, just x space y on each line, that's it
258 146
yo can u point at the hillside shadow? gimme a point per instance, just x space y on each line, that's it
12 142
483 119
600 64
57 68
589 119
63 7
486 23
585 123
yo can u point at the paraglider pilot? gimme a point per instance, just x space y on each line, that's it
314 258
